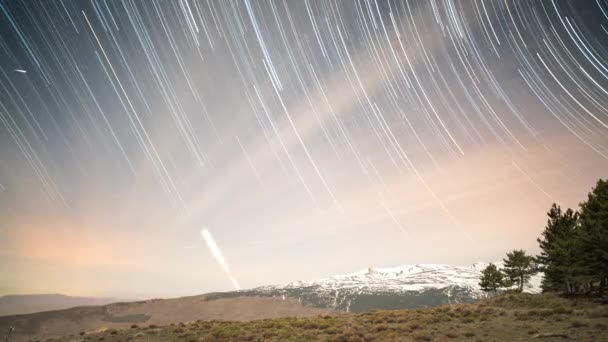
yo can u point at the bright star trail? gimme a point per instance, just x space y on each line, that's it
309 137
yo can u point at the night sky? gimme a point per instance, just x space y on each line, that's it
165 148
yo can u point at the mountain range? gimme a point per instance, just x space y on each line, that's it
401 287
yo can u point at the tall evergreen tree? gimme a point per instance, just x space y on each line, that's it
560 249
519 266
594 234
492 279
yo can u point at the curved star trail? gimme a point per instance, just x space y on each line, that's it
384 132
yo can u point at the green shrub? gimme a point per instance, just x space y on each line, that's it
225 331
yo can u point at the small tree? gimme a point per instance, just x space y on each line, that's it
492 279
519 267
560 248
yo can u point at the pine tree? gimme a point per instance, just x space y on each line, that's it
594 235
560 249
491 279
519 267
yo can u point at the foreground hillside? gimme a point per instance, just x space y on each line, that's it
504 318
43 325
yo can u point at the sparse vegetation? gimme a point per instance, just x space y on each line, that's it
506 317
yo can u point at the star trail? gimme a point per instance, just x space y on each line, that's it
287 133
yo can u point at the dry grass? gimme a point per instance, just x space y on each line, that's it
505 318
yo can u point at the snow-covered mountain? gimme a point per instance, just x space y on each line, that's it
408 286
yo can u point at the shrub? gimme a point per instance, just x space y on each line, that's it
332 331
469 334
380 327
225 331
451 334
560 310
598 312
488 311
600 326
423 337
578 324
467 313
468 320
311 325
532 312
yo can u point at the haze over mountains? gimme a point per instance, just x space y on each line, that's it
24 304
408 286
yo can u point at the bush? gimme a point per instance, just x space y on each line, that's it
560 310
451 334
578 324
600 326
598 312
225 331
381 327
423 337
333 331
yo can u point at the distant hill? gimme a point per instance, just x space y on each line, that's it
23 304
